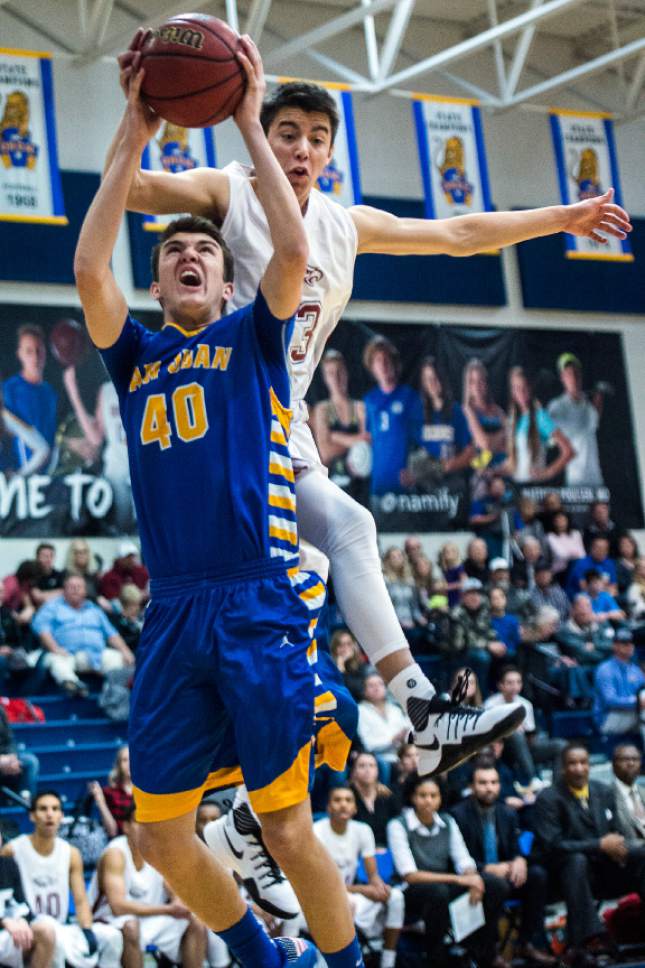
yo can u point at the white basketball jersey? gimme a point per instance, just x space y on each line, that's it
328 282
146 886
45 879
111 416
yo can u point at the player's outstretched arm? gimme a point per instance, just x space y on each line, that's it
464 235
282 280
103 302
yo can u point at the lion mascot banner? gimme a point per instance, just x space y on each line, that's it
173 150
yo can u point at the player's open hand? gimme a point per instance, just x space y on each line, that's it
141 122
130 60
248 111
596 218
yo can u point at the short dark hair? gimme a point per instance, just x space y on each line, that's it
506 669
481 765
412 784
592 573
197 225
569 748
340 786
45 793
381 344
43 545
300 94
30 329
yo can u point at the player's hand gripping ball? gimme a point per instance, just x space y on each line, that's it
192 75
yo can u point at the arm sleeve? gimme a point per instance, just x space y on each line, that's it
606 686
273 336
399 845
121 358
461 859
368 843
106 626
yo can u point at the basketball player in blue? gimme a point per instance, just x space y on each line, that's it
223 688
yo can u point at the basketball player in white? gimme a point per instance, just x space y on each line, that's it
131 896
49 869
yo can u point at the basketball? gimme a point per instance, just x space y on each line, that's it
68 342
192 76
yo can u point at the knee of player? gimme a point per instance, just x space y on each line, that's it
396 907
289 838
44 933
130 932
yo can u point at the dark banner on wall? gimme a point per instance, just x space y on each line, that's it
416 421
63 460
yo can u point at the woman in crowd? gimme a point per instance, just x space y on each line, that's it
407 764
404 595
339 424
430 855
530 523
444 434
476 561
423 578
350 661
565 545
114 800
486 419
453 571
626 558
375 803
635 596
530 433
382 725
507 627
81 561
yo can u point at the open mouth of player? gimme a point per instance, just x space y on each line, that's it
190 279
299 172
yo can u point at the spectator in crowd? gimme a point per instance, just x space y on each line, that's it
453 571
49 584
626 560
630 801
127 892
18 591
81 560
531 432
413 548
30 398
548 592
350 661
551 505
115 800
604 606
445 434
518 600
565 544
382 725
599 525
430 855
126 570
473 695
491 833
422 575
404 595
493 517
513 792
393 416
51 870
597 558
207 812
11 642
375 803
486 419
22 936
565 673
128 617
476 561
18 770
473 639
577 838
619 702
636 592
525 748
339 423
582 637
78 637
579 417
523 570
529 523
377 908
407 764
506 626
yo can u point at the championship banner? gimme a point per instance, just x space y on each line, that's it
452 155
30 186
341 178
585 154
177 149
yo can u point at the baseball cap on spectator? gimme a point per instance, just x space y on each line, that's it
624 635
127 548
499 564
471 585
568 359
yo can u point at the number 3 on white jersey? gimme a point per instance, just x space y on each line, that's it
305 324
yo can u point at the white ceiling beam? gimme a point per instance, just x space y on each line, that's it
342 72
636 85
497 48
123 38
473 44
327 30
615 39
231 15
394 38
521 53
584 70
256 19
82 19
371 46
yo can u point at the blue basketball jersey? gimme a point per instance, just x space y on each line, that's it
207 426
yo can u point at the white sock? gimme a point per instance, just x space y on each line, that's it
388 959
410 682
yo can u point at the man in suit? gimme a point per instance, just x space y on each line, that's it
577 835
630 802
491 833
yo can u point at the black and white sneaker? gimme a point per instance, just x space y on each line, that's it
236 841
446 733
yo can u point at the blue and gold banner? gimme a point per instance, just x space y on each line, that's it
452 155
30 187
341 179
177 149
585 154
